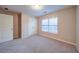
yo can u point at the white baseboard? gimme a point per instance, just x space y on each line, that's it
53 38
28 36
60 40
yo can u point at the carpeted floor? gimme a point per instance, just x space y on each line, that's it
36 44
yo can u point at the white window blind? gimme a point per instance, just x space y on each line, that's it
50 25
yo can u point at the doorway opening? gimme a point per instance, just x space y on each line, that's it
17 26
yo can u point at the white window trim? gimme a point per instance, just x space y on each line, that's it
48 27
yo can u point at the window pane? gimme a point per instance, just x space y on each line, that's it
50 25
44 22
53 21
53 29
45 28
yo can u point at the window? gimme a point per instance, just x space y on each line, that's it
50 25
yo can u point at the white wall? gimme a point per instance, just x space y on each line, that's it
32 26
66 25
78 28
28 25
0 30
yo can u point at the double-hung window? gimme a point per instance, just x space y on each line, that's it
50 25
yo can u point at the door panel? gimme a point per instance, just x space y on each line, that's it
6 27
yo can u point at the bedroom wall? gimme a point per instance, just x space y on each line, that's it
77 28
28 25
66 25
0 30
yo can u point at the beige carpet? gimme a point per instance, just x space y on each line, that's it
36 44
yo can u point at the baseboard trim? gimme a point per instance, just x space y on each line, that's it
29 36
60 40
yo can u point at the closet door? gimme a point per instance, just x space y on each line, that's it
6 27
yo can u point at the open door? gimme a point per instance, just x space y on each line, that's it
6 27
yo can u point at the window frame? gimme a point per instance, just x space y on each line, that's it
50 25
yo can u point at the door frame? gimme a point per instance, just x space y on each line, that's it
19 22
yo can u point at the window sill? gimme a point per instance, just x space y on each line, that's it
50 32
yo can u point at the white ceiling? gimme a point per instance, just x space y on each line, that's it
28 10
